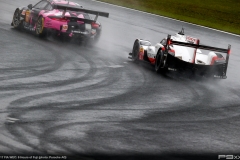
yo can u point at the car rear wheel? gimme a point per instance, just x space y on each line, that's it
16 22
40 30
159 64
135 50
96 38
92 41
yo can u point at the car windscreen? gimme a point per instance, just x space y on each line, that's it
145 43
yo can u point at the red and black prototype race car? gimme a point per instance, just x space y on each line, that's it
59 18
183 53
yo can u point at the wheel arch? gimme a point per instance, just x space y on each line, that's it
21 9
135 41
21 17
22 14
159 49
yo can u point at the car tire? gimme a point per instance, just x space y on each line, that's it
96 38
91 42
40 30
135 50
160 67
16 22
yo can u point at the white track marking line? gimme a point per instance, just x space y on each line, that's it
12 119
169 18
116 66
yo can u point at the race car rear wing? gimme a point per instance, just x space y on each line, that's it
197 46
80 9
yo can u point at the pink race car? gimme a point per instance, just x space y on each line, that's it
59 18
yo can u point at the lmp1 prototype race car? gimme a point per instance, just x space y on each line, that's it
59 17
182 53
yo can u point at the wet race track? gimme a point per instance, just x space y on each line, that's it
59 98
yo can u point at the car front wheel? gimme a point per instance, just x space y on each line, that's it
135 50
16 22
40 30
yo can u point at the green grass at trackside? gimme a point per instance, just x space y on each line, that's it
219 14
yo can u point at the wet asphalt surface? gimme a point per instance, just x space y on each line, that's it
60 98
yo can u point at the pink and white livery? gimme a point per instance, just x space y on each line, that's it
182 53
59 18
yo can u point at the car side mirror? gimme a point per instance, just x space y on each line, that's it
30 6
